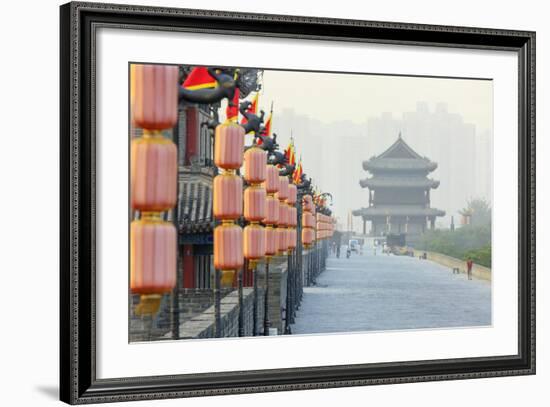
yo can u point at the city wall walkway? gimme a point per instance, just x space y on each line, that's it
478 271
386 292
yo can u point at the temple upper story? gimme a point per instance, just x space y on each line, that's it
399 191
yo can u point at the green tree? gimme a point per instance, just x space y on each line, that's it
479 212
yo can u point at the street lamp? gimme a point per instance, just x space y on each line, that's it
255 173
308 230
291 243
227 208
271 219
153 183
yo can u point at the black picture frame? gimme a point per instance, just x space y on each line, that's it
78 382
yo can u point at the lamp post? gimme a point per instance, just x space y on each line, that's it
308 232
227 208
153 186
291 241
271 219
255 173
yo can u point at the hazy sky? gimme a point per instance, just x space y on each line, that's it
340 120
323 108
335 97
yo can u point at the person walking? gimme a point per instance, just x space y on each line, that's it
469 266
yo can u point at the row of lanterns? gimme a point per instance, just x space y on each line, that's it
308 221
269 200
153 184
325 226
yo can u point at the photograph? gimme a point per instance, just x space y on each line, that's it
266 202
255 202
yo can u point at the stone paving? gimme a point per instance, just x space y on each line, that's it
386 292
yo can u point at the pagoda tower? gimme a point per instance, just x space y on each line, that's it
399 192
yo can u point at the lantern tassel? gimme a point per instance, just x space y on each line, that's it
149 304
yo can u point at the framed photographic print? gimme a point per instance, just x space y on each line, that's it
256 203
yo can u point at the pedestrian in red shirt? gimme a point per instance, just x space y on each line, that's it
469 265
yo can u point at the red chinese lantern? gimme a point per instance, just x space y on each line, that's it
271 241
254 242
152 256
272 179
255 165
155 96
283 221
282 244
271 210
282 193
228 196
292 217
228 146
228 250
308 220
292 194
152 262
292 237
153 179
255 204
308 236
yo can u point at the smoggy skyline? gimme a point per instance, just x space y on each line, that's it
340 120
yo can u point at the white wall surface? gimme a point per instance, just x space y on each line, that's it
29 163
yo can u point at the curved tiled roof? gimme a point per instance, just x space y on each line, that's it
403 182
398 210
399 156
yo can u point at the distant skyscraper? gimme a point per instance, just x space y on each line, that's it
464 157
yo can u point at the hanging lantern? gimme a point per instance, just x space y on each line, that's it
228 251
152 261
155 96
272 179
228 146
292 238
228 192
271 210
153 175
271 241
254 242
283 221
292 194
282 245
292 217
255 203
282 193
255 165
307 236
308 220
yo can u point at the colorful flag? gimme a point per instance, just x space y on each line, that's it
297 175
199 78
290 153
268 124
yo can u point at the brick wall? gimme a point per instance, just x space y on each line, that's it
203 325
277 291
197 310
